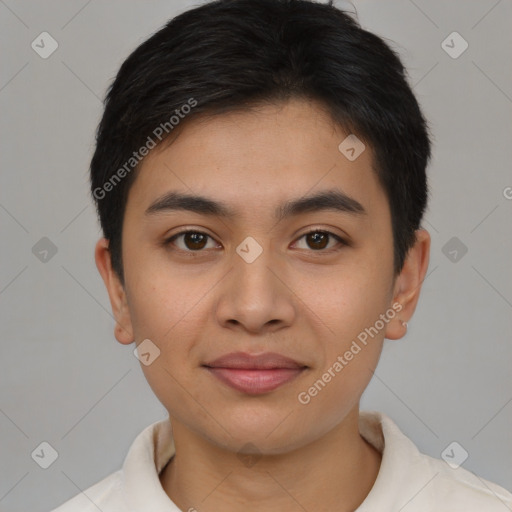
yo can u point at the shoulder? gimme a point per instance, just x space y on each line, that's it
416 482
105 495
137 483
457 489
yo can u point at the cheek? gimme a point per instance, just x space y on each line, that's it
350 357
346 301
169 306
333 394
351 304
163 296
166 307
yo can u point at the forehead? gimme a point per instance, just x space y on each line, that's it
251 159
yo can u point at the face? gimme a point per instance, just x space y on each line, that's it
305 284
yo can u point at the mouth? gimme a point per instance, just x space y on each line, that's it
255 374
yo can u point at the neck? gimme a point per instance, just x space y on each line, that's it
335 472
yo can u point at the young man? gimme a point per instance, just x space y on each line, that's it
260 179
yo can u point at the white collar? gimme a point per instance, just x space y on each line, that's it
154 447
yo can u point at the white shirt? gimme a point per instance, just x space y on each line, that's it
408 480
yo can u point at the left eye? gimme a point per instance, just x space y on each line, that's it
319 240
195 241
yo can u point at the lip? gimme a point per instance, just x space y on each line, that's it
246 361
255 374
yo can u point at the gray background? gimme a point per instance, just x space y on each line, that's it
64 378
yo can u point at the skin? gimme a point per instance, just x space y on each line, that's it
293 299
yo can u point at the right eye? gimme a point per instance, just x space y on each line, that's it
191 241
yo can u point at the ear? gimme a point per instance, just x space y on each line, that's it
408 284
123 330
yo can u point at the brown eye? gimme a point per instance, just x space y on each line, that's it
195 241
190 241
317 240
320 240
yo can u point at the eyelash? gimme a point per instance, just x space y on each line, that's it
341 241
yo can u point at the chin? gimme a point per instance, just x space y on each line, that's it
270 431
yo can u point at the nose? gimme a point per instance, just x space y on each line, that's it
255 296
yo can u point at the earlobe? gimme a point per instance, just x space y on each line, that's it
123 330
408 284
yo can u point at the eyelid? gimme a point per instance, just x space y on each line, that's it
341 240
170 239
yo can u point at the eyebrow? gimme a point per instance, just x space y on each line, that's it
333 200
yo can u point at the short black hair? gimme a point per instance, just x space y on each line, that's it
229 55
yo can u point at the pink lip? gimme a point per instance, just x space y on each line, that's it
255 374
